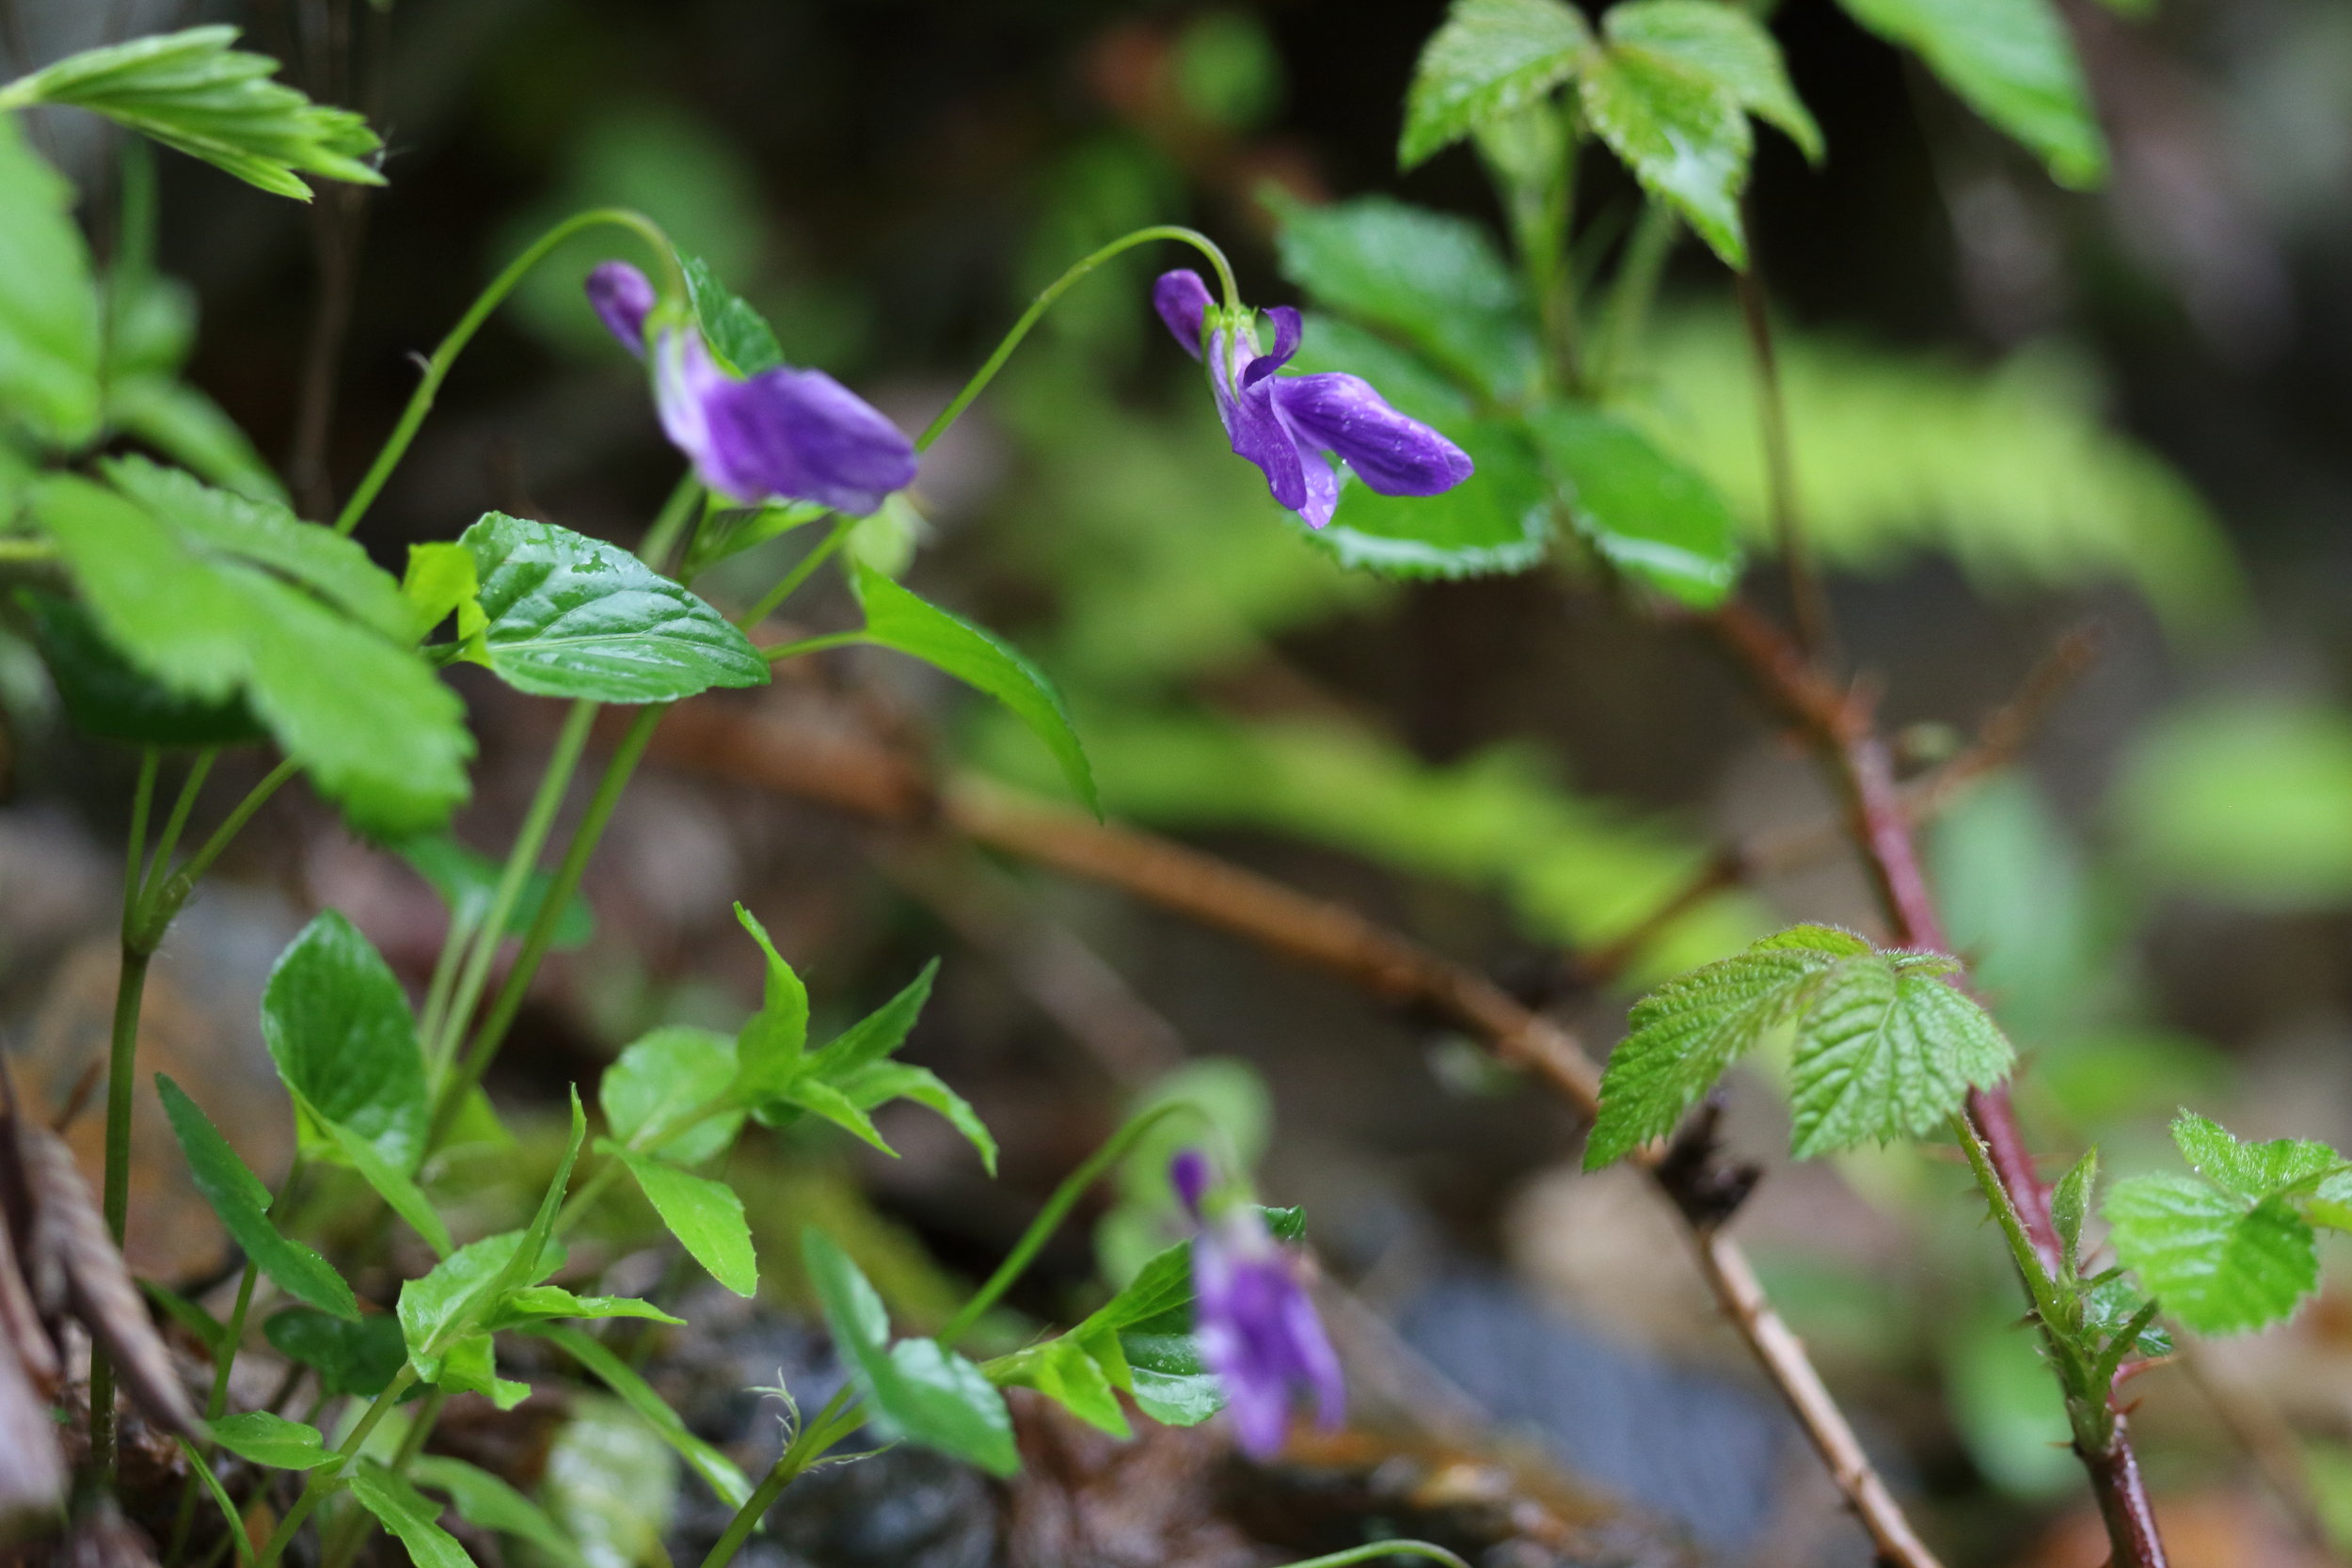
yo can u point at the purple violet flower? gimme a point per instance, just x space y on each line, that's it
1285 424
783 434
1257 1328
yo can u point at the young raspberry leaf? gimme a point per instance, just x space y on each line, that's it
1886 1053
2070 1203
1727 45
1492 59
2219 1261
2251 1170
1650 515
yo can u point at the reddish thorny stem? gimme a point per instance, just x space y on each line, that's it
1842 727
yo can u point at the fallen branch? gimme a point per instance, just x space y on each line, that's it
833 769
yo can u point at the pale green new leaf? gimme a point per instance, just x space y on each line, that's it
896 618
2251 1170
705 1215
878 1033
271 1439
1886 1053
408 1514
820 1098
1727 45
338 1026
1491 59
49 336
769 1048
651 1095
241 1200
571 616
2070 1203
191 91
532 1304
2012 61
1685 139
2217 1261
1067 1371
870 1087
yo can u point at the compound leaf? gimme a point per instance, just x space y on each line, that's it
1728 47
1885 1052
1684 138
1491 60
2014 64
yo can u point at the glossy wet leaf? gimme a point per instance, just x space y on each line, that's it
915 1388
272 1440
49 321
571 616
2014 63
896 618
350 1357
1496 521
1491 59
705 1216
190 90
242 1201
338 1026
1684 138
1649 514
1729 47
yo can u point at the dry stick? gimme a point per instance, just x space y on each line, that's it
1844 731
1311 931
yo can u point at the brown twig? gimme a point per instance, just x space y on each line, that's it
831 768
1842 729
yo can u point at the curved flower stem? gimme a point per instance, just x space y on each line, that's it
1060 286
538 821
807 1447
1049 1218
1375 1551
436 369
801 571
169 891
778 652
675 513
177 823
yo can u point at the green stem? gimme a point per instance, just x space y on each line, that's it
436 369
177 823
1375 1550
315 1490
1634 291
1059 286
492 1033
800 572
1056 1208
676 511
362 1524
807 1447
134 869
538 821
437 992
163 901
779 652
26 552
2086 1406
120 1066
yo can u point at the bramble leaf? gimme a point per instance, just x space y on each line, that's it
191 91
270 1439
242 1201
1644 511
1491 59
360 1357
2218 1260
916 1389
1727 45
1685 139
896 618
1496 521
49 332
338 1026
1885 1052
571 616
2013 62
2251 1170
705 1215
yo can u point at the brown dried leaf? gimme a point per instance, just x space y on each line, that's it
31 1469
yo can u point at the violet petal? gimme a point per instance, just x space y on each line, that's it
1394 454
622 297
1183 301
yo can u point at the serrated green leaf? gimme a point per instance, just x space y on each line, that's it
1496 521
105 696
571 616
242 1201
269 535
410 1517
661 1080
2013 62
1432 280
878 1033
1645 512
191 91
916 1389
769 1048
359 1357
272 1440
1067 1373
873 1085
740 337
49 331
1491 59
1685 139
489 1503
2251 1170
896 618
1683 1035
468 883
368 720
705 1215
1883 1053
717 1472
1727 45
2215 1259
1834 939
2108 1307
338 1026
2070 1202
